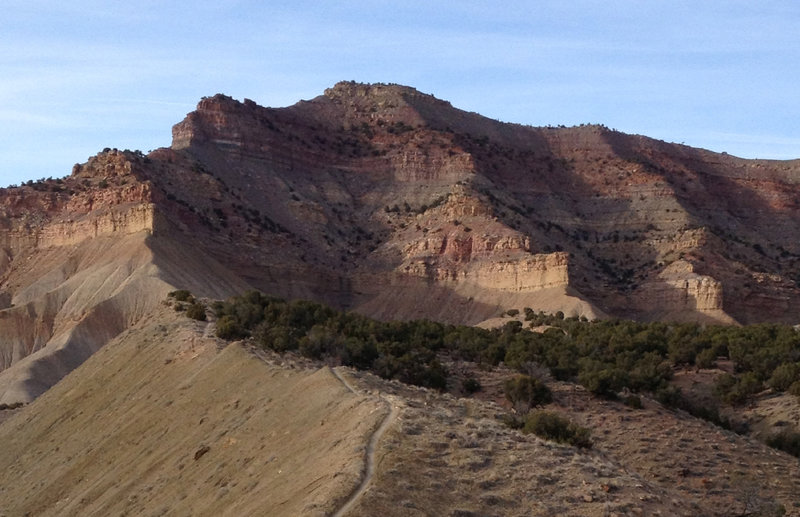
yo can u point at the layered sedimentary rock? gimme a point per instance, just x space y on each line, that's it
678 291
78 269
389 201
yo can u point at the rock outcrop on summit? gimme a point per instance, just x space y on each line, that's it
391 202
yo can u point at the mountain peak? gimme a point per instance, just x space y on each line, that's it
353 89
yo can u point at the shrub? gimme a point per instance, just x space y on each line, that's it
470 385
784 376
670 396
228 328
554 427
633 401
196 311
279 338
512 312
360 353
606 356
706 359
525 392
512 421
787 441
181 295
603 382
794 389
736 390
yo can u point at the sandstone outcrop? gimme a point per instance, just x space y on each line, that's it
389 201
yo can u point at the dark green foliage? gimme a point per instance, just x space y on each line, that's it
512 312
633 401
706 358
552 426
794 389
525 392
229 328
672 396
196 311
279 338
787 441
470 385
736 390
412 365
600 380
605 356
513 421
784 376
396 350
684 343
181 295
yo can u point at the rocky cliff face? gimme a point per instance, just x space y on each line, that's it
78 267
390 201
382 181
96 200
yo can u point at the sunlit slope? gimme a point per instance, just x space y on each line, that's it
162 421
74 299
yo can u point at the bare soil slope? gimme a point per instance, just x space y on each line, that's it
166 421
163 422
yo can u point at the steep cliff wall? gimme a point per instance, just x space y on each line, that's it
680 293
525 274
372 160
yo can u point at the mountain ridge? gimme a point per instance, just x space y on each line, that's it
388 201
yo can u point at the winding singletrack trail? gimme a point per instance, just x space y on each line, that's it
369 454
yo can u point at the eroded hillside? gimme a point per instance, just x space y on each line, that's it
168 420
164 421
85 258
394 195
394 203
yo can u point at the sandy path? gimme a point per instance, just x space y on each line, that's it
370 452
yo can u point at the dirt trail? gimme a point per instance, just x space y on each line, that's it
216 433
370 452
210 329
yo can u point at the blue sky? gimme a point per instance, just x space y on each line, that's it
79 76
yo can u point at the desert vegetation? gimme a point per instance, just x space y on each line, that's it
607 357
183 300
398 350
554 427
